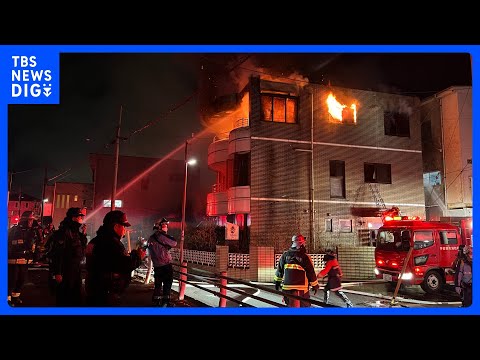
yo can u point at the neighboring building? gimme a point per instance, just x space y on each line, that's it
446 121
367 156
20 202
64 195
145 198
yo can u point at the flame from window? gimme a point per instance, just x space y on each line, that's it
337 110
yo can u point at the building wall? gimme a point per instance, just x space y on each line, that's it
280 174
447 119
457 125
158 193
16 207
70 194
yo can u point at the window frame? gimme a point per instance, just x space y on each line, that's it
285 98
377 181
396 127
333 165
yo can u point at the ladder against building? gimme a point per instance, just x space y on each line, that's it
376 195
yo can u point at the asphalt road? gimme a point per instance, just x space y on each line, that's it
362 294
37 294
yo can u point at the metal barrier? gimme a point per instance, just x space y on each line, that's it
220 280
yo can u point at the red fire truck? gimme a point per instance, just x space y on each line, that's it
419 251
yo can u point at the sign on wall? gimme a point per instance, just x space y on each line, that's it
232 231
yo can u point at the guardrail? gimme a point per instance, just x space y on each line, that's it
221 280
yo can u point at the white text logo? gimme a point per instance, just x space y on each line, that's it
27 80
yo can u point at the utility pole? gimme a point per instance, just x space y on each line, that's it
115 171
182 236
10 179
45 179
20 201
312 189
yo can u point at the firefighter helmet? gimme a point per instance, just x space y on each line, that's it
298 241
158 224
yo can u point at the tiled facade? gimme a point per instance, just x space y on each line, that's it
280 166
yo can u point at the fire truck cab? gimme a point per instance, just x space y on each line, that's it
428 247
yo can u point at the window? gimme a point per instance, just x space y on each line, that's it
108 203
345 225
389 240
448 237
432 178
422 239
396 124
328 225
75 198
241 169
278 108
337 179
378 173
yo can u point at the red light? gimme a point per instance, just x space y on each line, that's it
388 218
394 263
380 262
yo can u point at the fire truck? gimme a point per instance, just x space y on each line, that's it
419 252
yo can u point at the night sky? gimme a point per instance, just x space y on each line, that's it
163 96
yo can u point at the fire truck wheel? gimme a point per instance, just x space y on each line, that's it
433 282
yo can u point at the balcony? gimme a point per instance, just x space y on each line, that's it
217 155
239 140
217 203
239 200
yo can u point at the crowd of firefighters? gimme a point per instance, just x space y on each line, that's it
68 253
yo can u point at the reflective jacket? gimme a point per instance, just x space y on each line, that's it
333 271
22 241
295 270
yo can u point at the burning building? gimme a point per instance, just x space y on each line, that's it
313 159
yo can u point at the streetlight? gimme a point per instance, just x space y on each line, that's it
182 238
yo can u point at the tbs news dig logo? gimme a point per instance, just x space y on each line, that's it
27 80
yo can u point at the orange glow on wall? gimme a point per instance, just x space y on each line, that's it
221 124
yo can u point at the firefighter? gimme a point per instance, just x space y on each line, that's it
22 241
295 272
159 245
334 283
67 253
464 276
109 266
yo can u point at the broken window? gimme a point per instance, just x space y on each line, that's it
396 124
378 173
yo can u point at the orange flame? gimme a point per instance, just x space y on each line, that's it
336 110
